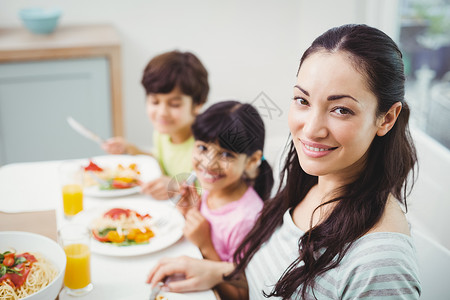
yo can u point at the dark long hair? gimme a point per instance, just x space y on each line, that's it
237 127
361 203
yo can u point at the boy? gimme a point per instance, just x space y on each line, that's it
176 84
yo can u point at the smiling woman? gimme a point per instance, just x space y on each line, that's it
332 117
351 153
336 229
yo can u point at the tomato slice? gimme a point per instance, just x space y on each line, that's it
119 184
8 261
92 167
99 238
115 213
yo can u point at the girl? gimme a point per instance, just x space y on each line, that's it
235 178
336 229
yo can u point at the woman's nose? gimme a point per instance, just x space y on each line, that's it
315 125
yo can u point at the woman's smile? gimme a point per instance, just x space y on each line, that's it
316 150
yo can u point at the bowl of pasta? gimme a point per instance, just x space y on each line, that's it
32 266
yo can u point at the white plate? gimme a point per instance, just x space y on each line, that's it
148 166
169 227
94 191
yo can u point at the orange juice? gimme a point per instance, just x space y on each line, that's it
78 273
72 199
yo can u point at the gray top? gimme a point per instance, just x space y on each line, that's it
379 265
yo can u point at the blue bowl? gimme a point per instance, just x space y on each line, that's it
40 21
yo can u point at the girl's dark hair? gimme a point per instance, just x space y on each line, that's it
177 69
237 127
359 204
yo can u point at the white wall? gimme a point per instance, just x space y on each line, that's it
248 47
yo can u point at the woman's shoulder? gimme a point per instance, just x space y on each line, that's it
380 263
392 220
383 262
387 241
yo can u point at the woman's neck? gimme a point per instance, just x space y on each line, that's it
222 197
308 213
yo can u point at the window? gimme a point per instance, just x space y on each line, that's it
425 43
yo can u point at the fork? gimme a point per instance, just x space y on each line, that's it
99 180
155 290
189 181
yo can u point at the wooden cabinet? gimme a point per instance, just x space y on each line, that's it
44 78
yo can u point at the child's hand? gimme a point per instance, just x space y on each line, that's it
189 199
115 145
197 229
157 188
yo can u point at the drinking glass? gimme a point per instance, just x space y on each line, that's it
75 239
71 178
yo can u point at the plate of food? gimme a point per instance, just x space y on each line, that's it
32 266
132 226
118 175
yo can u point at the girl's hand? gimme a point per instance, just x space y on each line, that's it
156 188
189 199
197 229
200 274
115 145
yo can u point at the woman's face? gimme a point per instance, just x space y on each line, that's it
332 116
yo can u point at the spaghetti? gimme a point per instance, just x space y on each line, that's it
27 275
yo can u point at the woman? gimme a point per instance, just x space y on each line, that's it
335 230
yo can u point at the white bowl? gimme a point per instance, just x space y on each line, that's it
52 251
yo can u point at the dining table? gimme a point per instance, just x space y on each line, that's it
31 200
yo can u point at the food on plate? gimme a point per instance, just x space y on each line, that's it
24 274
122 227
119 177
161 297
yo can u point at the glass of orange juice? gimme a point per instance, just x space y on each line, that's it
75 239
71 178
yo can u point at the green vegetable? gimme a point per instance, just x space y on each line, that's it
128 242
20 260
2 255
107 186
4 269
105 231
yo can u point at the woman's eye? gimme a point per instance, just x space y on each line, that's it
343 111
301 101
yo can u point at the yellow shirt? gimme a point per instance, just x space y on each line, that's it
175 159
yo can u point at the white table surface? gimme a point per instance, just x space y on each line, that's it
26 187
